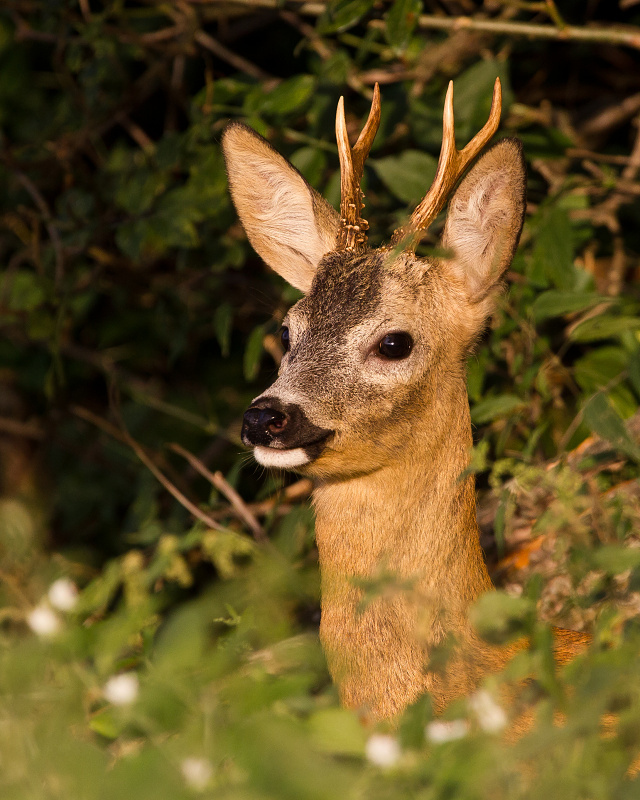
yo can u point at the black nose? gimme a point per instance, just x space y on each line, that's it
262 424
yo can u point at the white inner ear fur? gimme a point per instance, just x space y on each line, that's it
485 218
288 223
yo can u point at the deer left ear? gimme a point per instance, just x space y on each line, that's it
288 223
485 219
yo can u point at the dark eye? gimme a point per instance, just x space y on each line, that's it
284 338
395 345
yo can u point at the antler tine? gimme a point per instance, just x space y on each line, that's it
368 134
451 164
352 234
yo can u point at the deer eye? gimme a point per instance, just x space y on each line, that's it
395 345
284 338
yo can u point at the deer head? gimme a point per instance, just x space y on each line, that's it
379 333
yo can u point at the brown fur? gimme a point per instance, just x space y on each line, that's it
392 510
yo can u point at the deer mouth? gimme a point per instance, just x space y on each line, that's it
281 434
278 455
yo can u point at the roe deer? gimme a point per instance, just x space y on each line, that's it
371 401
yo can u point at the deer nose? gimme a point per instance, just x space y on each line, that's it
262 424
265 419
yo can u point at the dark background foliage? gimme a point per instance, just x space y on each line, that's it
136 324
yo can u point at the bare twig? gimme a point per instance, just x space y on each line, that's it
163 35
629 37
302 6
606 213
299 490
218 480
385 76
593 446
554 14
135 388
85 9
99 422
315 40
12 583
617 268
240 63
41 203
26 430
25 33
144 142
124 436
630 171
577 420
605 158
612 116
170 487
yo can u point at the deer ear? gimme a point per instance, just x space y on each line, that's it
485 219
288 223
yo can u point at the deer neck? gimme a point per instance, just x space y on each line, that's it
401 563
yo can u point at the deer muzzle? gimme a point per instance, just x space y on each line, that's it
281 434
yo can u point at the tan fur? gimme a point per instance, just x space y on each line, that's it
396 524
424 535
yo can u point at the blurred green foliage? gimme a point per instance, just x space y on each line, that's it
133 315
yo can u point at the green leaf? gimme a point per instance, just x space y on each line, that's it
181 642
311 162
337 731
495 407
479 461
21 539
602 419
634 370
554 303
599 367
401 22
222 319
544 142
107 722
223 547
408 175
553 252
138 190
27 292
276 756
343 14
472 96
603 367
289 96
498 616
603 326
615 559
253 353
101 591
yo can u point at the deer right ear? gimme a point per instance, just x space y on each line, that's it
288 223
485 218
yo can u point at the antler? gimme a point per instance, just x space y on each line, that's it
353 228
451 164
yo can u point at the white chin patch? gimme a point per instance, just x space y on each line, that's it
285 459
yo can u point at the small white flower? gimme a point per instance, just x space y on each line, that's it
63 594
197 772
121 690
441 730
382 750
44 622
491 716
